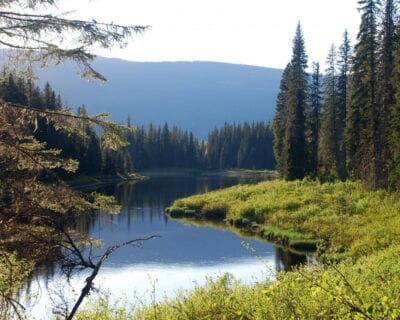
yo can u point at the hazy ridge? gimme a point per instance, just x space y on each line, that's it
197 96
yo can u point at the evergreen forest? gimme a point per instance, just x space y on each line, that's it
247 145
342 123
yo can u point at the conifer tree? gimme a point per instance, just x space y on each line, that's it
386 92
362 116
166 148
292 151
394 123
49 97
279 126
36 207
313 120
343 62
328 150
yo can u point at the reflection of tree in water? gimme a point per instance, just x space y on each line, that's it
141 201
143 206
285 260
161 192
155 195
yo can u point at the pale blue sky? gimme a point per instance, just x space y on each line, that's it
254 32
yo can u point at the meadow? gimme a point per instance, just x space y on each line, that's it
356 234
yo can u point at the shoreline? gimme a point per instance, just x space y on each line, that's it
187 172
93 182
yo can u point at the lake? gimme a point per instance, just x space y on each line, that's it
181 258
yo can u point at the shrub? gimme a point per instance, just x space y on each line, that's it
214 211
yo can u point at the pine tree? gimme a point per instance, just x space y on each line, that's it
313 120
394 123
362 117
165 157
33 95
279 126
49 97
328 149
344 57
386 93
292 155
14 90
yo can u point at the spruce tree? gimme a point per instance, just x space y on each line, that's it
49 97
394 123
362 117
292 153
386 92
343 63
313 120
328 150
278 126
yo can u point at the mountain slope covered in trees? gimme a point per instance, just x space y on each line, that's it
196 96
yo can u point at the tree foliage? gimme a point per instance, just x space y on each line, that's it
313 120
31 27
36 207
343 65
247 145
359 132
289 126
362 120
328 148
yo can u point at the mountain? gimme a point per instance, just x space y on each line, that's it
196 96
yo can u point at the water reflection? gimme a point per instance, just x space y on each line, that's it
183 255
285 260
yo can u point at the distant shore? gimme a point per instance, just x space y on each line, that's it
94 182
234 173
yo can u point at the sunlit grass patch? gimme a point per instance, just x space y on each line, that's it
346 217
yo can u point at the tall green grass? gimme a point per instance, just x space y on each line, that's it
346 218
366 289
358 229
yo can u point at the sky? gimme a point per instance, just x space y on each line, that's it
252 32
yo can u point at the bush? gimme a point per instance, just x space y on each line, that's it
214 211
178 212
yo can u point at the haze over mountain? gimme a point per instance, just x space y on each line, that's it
196 96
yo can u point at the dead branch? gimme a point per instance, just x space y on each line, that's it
96 267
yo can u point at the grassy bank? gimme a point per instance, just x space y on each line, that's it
345 219
359 230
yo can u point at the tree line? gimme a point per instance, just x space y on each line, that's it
247 145
344 123
85 146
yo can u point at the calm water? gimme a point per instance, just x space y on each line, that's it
181 258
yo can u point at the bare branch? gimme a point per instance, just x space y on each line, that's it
90 280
